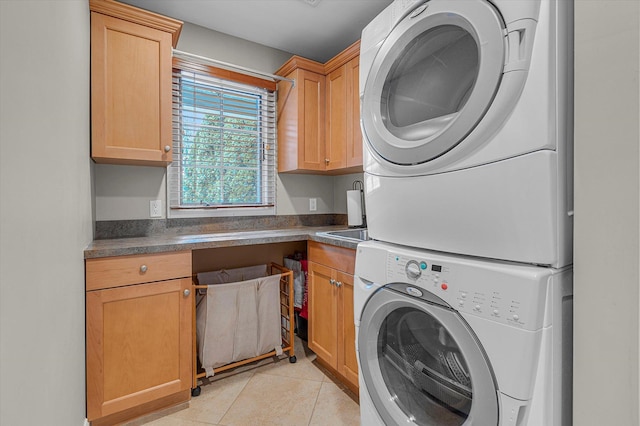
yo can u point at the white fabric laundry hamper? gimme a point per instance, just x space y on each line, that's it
243 314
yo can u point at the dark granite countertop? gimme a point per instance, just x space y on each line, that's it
172 242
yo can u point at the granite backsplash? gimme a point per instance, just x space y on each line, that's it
111 229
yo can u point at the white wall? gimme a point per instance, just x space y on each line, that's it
45 210
607 200
341 184
124 192
223 47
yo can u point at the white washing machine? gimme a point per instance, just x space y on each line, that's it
452 340
466 112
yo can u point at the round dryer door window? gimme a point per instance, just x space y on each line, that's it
422 364
433 80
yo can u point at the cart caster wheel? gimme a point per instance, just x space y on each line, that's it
293 359
195 391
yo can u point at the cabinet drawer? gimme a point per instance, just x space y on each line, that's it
339 258
108 272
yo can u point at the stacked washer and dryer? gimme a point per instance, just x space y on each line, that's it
463 297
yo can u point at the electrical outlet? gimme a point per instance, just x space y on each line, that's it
155 208
313 204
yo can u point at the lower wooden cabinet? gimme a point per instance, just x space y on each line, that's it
139 342
331 326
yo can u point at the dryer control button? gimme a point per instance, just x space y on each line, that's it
412 269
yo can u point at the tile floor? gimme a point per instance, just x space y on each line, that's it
269 392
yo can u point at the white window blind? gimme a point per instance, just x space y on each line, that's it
224 142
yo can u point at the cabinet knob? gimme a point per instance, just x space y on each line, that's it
143 268
186 292
326 161
338 283
167 148
332 281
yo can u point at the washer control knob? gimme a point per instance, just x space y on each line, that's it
412 269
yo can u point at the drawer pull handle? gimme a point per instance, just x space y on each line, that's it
143 269
186 292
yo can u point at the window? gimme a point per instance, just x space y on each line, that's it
224 143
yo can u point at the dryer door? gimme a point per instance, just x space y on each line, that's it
421 362
432 80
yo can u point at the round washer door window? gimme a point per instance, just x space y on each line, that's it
433 80
422 365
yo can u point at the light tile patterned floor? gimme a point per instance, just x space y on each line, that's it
267 393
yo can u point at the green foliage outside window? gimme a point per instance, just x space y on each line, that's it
221 147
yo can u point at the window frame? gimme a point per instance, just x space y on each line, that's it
175 169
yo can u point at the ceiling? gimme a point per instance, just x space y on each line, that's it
315 29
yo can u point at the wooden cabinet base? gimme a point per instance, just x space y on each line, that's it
331 321
143 409
138 334
352 387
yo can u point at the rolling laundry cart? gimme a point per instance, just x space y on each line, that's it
240 316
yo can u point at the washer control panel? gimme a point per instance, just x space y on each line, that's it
477 291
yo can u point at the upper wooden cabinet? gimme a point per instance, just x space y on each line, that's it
319 116
344 138
301 117
131 84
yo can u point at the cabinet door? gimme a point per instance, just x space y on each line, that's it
311 136
301 123
354 134
323 315
336 136
347 359
138 345
130 92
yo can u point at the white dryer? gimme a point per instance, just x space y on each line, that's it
466 112
451 340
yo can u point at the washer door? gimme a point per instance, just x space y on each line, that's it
422 364
433 80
